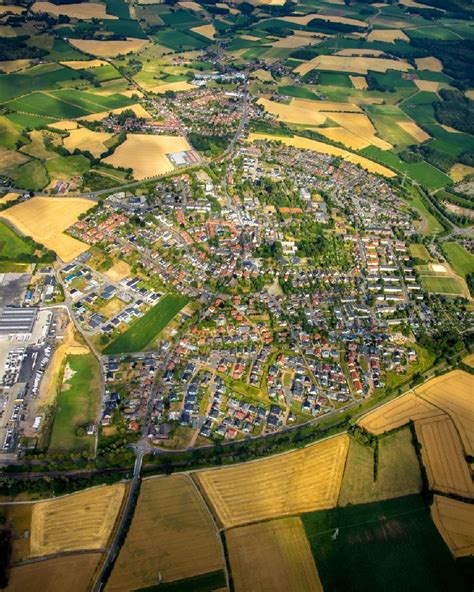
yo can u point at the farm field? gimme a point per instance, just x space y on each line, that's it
76 405
453 393
305 143
397 413
443 457
81 520
144 331
79 11
358 65
17 517
461 260
398 472
13 246
290 483
146 155
46 218
73 573
455 522
272 555
108 49
85 139
171 533
393 544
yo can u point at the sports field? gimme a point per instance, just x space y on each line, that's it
455 522
144 331
45 219
272 555
146 154
453 393
443 457
391 545
291 483
398 472
76 405
72 573
82 520
171 534
397 413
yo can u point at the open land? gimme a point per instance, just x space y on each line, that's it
455 522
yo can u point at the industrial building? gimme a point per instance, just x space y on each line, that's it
17 322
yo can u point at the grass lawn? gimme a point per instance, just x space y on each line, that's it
424 362
11 244
431 224
65 167
441 285
142 332
419 251
31 175
461 260
77 405
391 546
297 91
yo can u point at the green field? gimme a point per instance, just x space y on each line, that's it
440 284
77 405
461 260
419 251
12 245
143 332
297 91
31 176
385 546
65 167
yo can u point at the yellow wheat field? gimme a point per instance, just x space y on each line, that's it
329 106
359 125
300 481
137 109
171 533
457 173
443 456
9 197
343 136
431 63
398 412
73 573
359 65
64 125
108 49
9 66
86 139
293 41
11 9
79 521
146 155
263 75
272 556
46 218
359 82
291 113
205 30
83 11
173 86
359 52
455 522
454 394
427 85
414 130
387 35
84 64
307 144
307 18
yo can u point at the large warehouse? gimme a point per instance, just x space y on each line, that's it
17 322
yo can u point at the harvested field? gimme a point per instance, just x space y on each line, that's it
305 143
173 86
171 533
82 520
398 471
398 412
65 125
307 18
358 65
263 75
455 522
300 481
431 63
292 114
118 271
137 109
82 11
273 556
9 197
205 30
387 35
46 218
9 159
294 41
359 52
108 49
359 125
84 64
454 394
359 82
146 155
459 171
443 457
329 106
73 573
414 130
427 85
469 360
10 66
86 139
343 136
11 9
